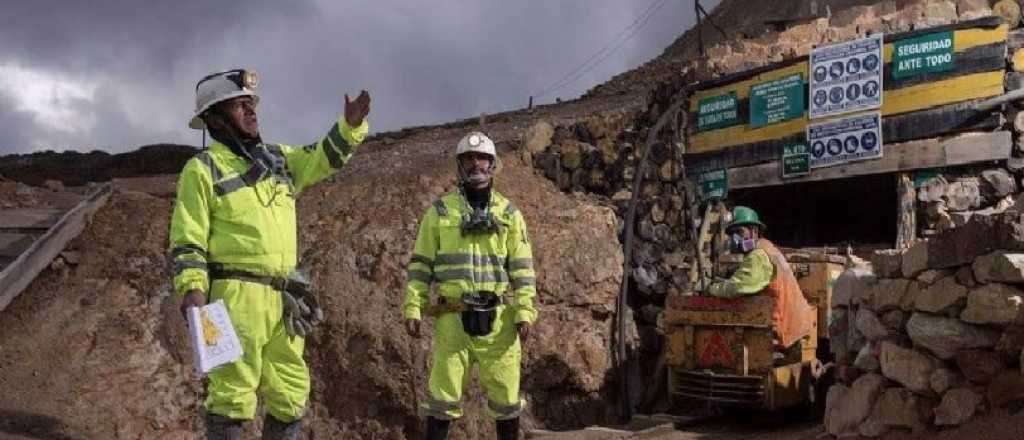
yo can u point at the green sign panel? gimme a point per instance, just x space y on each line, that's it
714 184
924 54
776 101
796 161
717 112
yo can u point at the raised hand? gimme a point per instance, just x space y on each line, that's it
356 111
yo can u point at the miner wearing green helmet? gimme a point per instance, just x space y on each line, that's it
764 270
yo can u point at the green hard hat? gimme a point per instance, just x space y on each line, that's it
742 216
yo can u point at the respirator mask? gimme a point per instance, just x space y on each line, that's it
738 244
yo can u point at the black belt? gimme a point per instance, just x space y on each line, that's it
240 275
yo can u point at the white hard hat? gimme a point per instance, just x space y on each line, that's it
476 142
222 86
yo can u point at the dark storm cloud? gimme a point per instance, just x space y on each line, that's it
424 62
15 126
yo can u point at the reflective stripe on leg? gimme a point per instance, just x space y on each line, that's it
504 412
441 410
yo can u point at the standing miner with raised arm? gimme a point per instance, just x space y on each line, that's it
233 238
473 243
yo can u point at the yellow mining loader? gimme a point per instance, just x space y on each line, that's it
720 350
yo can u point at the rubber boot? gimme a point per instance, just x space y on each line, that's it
437 429
222 428
274 429
508 429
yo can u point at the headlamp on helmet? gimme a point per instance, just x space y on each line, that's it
222 86
250 79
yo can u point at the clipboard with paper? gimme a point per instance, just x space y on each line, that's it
214 341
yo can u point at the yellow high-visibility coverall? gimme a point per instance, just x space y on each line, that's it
463 263
220 221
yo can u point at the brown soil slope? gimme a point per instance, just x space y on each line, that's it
97 349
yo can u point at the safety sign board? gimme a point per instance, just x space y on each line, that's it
777 101
846 139
717 112
714 184
925 54
846 77
796 160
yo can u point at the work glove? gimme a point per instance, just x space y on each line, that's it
302 312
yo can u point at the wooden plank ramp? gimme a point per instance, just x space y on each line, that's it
21 219
19 274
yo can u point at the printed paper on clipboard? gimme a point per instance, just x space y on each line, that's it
214 341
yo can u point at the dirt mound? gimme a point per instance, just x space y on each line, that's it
359 233
98 350
95 350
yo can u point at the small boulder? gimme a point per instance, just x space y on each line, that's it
846 407
908 367
957 407
946 337
979 366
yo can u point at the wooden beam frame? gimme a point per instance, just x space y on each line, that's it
938 121
930 153
980 47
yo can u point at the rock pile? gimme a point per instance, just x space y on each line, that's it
931 335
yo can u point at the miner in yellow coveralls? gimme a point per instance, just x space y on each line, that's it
473 244
764 270
233 238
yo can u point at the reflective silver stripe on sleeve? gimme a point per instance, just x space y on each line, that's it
421 259
338 140
186 249
518 282
333 157
181 265
420 276
520 263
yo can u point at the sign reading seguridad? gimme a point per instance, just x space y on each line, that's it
717 112
925 54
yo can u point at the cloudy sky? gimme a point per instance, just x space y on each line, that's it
114 75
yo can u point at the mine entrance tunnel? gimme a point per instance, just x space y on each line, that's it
859 211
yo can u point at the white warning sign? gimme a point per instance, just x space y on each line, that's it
846 77
845 140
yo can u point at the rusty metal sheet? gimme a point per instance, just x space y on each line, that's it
816 284
752 311
718 349
675 347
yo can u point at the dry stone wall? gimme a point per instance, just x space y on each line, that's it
931 335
